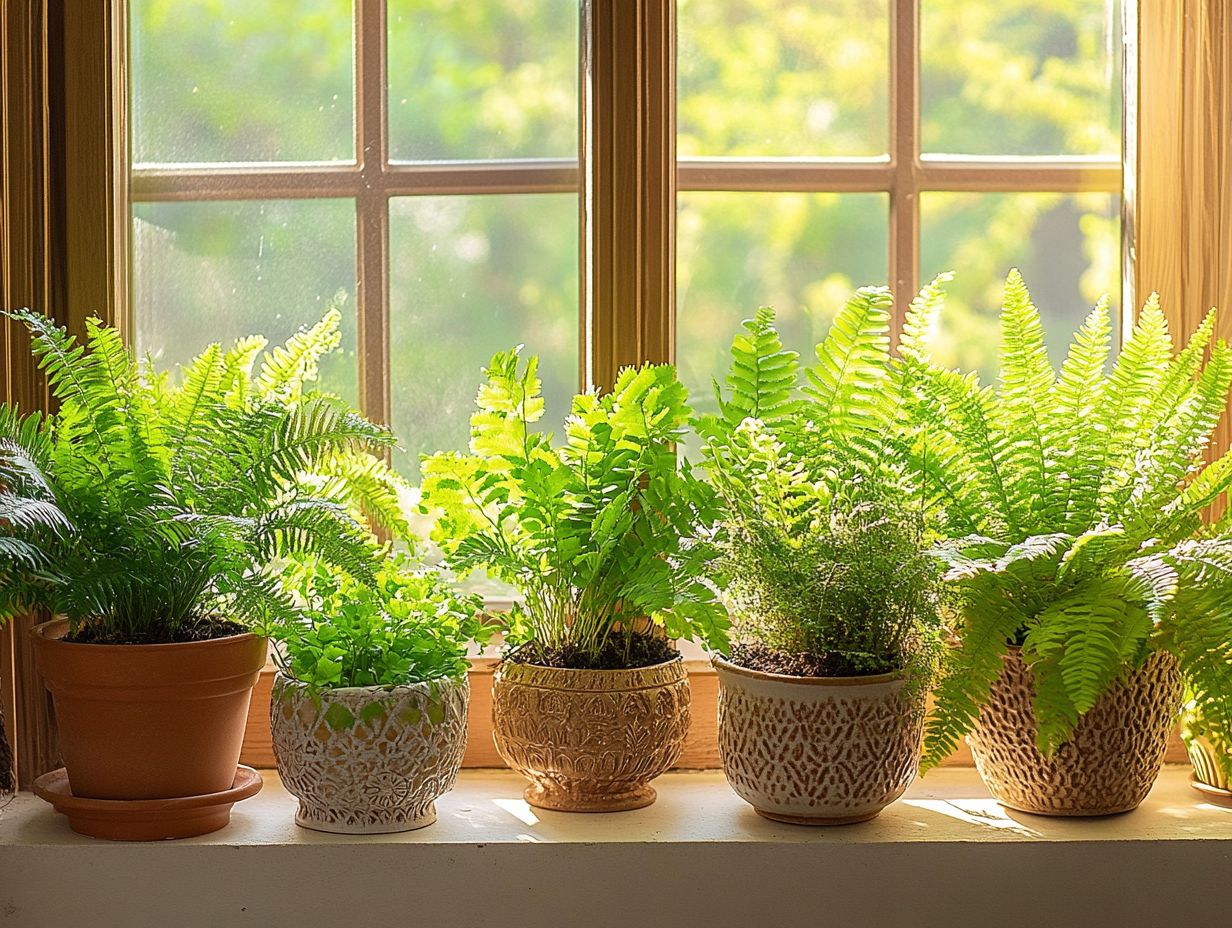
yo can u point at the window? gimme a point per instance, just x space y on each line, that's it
413 162
416 163
828 145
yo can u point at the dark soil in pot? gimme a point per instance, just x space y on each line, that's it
205 628
621 652
828 664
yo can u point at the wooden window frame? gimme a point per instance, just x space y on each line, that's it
62 92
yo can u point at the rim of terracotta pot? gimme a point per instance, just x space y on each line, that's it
582 670
420 686
723 663
53 632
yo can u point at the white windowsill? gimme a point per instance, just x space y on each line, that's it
946 854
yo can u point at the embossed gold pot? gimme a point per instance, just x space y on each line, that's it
590 740
368 760
817 750
1110 763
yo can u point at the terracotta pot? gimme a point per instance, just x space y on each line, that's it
368 760
149 721
1109 764
590 740
817 750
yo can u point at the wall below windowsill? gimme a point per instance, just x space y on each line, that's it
945 855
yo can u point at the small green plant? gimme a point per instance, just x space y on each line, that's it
151 510
1073 499
601 535
825 548
405 626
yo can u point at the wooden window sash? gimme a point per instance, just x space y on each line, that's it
64 219
1180 205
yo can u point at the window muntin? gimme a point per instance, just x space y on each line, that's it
857 200
1037 184
429 260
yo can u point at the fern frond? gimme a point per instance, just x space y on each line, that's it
846 385
1135 380
922 319
1075 469
968 674
957 406
762 377
1025 407
237 369
319 528
368 486
288 367
287 441
1175 451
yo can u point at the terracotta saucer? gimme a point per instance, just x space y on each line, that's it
146 819
1212 793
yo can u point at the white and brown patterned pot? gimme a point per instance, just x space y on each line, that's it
590 740
368 760
817 750
1107 766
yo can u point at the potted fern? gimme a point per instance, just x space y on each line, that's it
369 706
147 517
825 554
605 537
1086 592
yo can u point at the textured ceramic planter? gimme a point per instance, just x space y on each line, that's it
368 760
149 721
1209 777
590 740
1109 764
817 750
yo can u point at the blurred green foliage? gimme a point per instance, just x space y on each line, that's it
271 79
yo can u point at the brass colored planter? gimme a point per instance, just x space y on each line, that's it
590 740
817 750
1110 763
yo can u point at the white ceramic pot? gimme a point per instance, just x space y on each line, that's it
368 760
817 750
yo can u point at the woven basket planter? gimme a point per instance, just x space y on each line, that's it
369 759
817 750
1108 765
590 740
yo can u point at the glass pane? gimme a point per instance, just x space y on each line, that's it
242 80
207 272
764 78
483 80
470 276
802 253
1068 249
1021 77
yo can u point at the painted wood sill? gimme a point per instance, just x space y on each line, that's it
945 855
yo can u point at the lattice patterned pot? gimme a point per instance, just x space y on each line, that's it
1110 763
368 760
590 740
817 750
